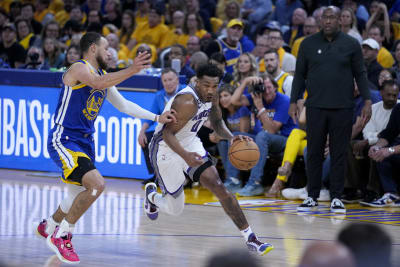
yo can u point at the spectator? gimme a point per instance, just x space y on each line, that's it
237 119
271 108
25 35
327 254
53 56
360 11
218 59
370 49
287 61
154 32
78 15
170 82
72 55
231 11
193 7
179 52
232 258
43 14
380 17
284 10
63 16
255 12
121 49
35 59
176 28
261 47
113 13
384 57
245 67
369 243
230 45
197 59
296 26
112 63
310 27
3 17
52 30
173 6
329 110
284 79
142 13
15 10
386 153
10 51
348 24
193 45
27 12
128 26
192 26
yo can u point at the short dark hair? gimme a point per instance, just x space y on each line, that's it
208 70
272 51
88 39
219 57
388 83
181 47
277 30
167 70
370 244
381 31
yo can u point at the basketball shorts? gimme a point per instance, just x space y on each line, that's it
169 167
73 152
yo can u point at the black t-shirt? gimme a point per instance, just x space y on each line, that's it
12 54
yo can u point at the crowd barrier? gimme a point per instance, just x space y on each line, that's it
28 101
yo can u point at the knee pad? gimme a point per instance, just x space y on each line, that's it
73 191
195 172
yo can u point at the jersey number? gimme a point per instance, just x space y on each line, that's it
195 126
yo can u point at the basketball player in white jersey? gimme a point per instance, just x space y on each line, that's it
175 149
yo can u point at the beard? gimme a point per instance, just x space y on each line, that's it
101 62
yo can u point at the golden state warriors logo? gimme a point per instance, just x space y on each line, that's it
93 104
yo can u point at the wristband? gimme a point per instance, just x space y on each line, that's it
157 118
260 112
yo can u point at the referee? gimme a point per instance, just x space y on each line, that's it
327 65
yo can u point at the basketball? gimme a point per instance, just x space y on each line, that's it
244 154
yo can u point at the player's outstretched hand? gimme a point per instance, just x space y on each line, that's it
141 61
193 159
241 137
168 116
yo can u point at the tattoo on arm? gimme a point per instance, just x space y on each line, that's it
218 123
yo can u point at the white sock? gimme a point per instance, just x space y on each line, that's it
51 225
246 233
65 228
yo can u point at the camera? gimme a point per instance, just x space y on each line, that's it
259 88
34 57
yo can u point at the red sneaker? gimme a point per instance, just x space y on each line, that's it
41 229
63 248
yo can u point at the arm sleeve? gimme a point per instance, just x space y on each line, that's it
360 73
128 107
300 75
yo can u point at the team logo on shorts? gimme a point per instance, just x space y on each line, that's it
93 104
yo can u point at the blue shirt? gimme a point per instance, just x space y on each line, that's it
247 44
278 110
188 72
158 106
233 121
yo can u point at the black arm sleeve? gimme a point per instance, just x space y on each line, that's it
392 129
300 75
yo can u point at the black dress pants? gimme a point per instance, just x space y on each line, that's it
321 123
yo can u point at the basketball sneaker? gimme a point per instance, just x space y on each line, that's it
150 209
253 244
41 229
63 248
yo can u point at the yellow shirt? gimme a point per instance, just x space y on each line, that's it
56 6
216 24
25 42
40 16
396 30
183 38
157 36
139 19
261 64
385 58
6 4
294 33
123 52
62 17
296 46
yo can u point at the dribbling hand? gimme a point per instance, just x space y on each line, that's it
241 138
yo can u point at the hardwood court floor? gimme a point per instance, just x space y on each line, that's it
116 232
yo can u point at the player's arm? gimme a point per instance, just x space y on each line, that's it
134 110
186 107
217 123
80 73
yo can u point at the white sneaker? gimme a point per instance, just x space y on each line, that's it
324 195
292 193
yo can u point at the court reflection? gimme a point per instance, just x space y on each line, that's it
24 205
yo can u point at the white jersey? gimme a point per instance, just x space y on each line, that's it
188 133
